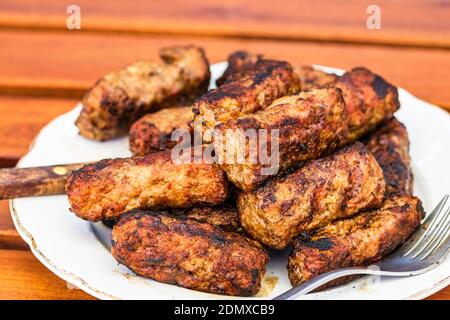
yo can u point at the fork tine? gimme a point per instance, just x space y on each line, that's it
427 227
436 209
435 239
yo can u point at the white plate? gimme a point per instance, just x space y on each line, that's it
68 247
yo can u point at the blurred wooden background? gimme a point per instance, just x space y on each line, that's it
45 68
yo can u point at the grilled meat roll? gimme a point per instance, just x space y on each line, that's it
238 63
310 124
369 100
307 126
266 81
153 131
106 189
188 253
358 241
122 97
390 146
311 78
320 192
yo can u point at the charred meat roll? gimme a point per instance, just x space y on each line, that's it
390 146
122 97
106 189
266 81
310 124
357 241
153 131
324 190
311 78
369 100
238 63
189 253
305 126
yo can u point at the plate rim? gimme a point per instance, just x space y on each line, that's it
83 285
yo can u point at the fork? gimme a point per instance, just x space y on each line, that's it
425 250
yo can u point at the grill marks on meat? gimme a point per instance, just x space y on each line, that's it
266 81
108 188
322 191
224 216
390 146
153 131
189 253
120 98
357 241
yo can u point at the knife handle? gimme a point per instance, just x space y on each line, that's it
37 181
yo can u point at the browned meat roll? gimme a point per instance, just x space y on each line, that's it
311 78
357 241
122 97
189 253
390 146
106 189
310 124
266 81
238 63
320 192
153 131
369 100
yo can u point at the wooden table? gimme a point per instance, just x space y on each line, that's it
45 68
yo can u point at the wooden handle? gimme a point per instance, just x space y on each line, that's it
38 181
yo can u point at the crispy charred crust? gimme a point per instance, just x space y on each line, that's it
390 146
189 253
324 190
120 98
238 63
311 78
224 216
369 99
261 84
106 189
309 125
357 241
153 131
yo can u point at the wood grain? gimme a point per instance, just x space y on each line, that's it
9 238
404 22
23 277
79 59
21 120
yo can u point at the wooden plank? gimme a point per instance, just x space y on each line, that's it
9 238
403 22
23 277
444 294
78 59
21 120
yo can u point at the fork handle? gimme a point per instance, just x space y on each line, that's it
320 280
